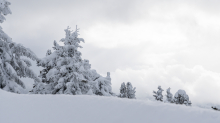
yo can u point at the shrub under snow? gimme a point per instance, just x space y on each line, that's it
182 98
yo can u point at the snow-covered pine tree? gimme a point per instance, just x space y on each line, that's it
123 91
66 73
12 66
182 98
158 95
169 96
127 91
130 91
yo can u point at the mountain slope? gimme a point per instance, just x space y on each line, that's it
18 108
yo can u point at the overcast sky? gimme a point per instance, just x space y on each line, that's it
148 43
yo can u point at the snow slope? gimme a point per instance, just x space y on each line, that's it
15 108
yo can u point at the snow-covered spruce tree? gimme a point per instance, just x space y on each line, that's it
169 96
158 95
130 91
182 98
127 91
66 73
123 91
12 66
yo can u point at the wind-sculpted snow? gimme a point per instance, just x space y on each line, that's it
96 109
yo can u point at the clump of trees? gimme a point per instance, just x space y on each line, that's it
65 72
180 97
127 91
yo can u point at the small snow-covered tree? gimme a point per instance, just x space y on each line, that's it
130 91
66 73
127 91
158 95
13 65
169 96
182 98
123 91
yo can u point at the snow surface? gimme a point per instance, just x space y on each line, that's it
21 108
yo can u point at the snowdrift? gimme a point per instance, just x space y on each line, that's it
19 108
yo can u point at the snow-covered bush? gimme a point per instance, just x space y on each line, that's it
127 91
169 96
158 95
12 66
66 73
182 98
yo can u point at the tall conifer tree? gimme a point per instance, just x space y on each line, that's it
13 64
65 72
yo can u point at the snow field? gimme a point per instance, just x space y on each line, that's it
20 108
